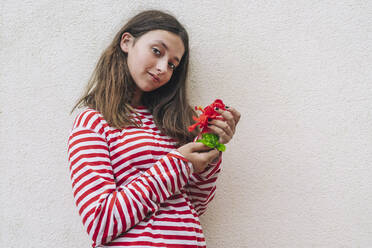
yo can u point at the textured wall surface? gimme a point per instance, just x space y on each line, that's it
298 172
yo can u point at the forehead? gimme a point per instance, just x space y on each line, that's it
173 42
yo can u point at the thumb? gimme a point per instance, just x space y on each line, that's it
200 147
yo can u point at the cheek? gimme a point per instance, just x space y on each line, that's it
145 59
131 64
138 61
168 77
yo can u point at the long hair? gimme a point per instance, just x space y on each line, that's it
110 88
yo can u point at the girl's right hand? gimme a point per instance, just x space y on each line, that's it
198 154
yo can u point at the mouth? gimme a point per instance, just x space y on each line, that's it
154 77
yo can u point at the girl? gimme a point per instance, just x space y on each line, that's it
138 178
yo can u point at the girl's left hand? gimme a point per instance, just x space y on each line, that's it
225 129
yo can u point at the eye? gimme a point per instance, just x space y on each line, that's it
172 66
155 51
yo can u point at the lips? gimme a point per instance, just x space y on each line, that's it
154 77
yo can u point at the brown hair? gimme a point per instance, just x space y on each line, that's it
110 88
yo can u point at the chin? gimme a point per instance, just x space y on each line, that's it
148 87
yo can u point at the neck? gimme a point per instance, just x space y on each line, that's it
136 100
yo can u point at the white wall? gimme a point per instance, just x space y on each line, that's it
297 174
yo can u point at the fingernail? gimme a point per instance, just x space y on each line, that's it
227 107
216 108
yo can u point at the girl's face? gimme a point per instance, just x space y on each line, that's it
152 58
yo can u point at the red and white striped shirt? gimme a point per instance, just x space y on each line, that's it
133 188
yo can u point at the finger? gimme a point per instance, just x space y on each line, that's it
235 113
210 155
224 138
213 154
228 116
222 125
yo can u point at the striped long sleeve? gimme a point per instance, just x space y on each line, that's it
201 187
107 209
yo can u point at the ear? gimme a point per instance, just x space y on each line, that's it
126 42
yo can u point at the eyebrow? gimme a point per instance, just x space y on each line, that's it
166 48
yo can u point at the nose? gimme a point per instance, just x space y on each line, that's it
161 66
